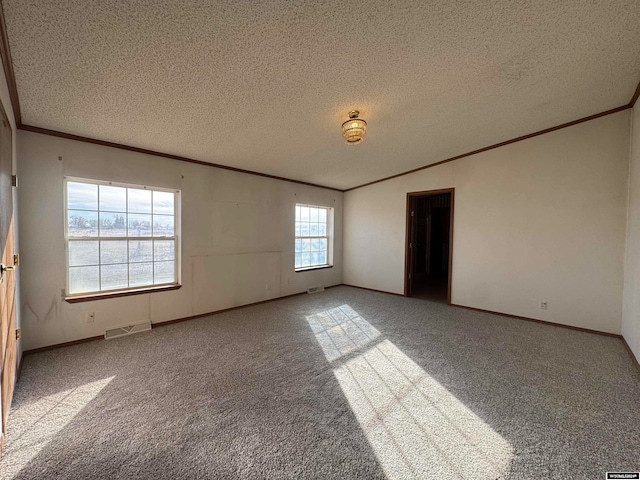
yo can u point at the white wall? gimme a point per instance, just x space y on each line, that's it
540 219
237 238
631 306
6 103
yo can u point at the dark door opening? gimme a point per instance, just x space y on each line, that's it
429 245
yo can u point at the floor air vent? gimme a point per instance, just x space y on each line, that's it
127 330
315 290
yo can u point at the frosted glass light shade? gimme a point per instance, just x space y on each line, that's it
354 129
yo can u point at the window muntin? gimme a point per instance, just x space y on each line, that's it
313 226
120 237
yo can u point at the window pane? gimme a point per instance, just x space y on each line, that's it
113 251
139 200
113 224
163 250
140 250
83 224
163 225
83 253
140 274
115 213
82 196
84 279
163 203
164 272
113 199
311 231
114 276
139 225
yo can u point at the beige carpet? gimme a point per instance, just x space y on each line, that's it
341 384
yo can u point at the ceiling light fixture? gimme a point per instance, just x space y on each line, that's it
353 130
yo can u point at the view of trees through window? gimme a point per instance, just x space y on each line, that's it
119 237
312 236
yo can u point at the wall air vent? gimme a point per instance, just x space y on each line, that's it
315 290
127 330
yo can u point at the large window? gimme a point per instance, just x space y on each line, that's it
313 237
120 237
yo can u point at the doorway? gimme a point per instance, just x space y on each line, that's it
429 245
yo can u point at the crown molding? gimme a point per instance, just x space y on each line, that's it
7 64
7 61
104 143
497 145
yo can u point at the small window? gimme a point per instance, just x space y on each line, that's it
120 237
314 227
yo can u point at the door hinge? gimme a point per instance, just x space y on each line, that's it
410 245
409 276
412 212
18 333
16 259
14 180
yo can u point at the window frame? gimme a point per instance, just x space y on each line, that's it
328 236
118 292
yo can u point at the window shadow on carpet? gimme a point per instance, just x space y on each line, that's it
42 420
415 426
238 396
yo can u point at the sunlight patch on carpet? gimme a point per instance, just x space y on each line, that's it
416 427
38 423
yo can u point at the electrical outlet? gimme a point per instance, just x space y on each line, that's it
543 305
91 317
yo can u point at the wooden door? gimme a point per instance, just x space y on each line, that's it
7 275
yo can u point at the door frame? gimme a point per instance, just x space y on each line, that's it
410 229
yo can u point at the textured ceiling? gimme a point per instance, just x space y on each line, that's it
264 86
